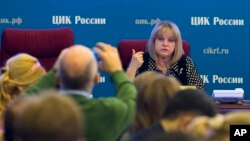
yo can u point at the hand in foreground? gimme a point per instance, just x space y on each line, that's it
110 60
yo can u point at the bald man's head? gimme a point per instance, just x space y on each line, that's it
77 68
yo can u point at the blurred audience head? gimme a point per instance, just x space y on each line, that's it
173 136
78 69
20 71
11 114
165 27
50 116
218 128
154 90
187 104
190 101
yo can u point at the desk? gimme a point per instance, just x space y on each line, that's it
224 108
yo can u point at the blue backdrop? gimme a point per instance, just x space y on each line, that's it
217 30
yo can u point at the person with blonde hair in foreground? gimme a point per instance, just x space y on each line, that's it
19 72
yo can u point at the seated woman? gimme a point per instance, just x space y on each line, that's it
164 53
20 71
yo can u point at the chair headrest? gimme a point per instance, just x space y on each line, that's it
36 42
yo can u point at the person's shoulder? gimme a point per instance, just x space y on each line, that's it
185 59
140 135
111 103
146 59
146 55
143 134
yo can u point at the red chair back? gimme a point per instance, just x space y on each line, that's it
44 44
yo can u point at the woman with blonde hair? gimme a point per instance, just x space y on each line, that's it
164 53
20 71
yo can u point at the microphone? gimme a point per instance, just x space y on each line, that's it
166 65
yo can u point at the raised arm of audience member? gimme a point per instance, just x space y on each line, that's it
112 64
78 73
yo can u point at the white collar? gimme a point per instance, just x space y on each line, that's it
77 92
